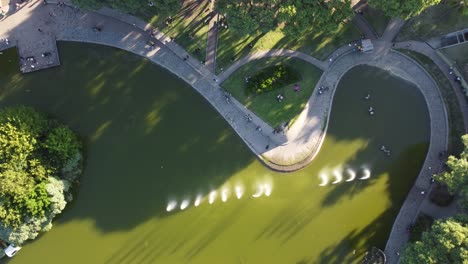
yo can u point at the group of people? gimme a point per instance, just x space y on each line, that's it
457 78
223 23
385 150
322 89
371 109
5 42
169 21
280 98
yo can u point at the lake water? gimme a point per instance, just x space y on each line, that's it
151 140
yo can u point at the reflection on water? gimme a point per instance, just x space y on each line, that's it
338 173
264 188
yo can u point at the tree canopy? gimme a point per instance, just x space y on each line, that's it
33 153
404 9
460 5
445 242
294 16
456 178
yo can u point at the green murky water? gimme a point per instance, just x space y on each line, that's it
151 140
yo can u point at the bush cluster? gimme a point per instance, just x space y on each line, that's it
39 158
272 78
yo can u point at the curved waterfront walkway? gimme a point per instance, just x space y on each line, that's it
291 151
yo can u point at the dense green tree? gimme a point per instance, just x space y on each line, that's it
61 144
457 177
404 9
294 16
33 152
445 242
460 5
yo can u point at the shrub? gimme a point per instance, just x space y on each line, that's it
272 78
445 242
441 196
34 152
422 224
61 144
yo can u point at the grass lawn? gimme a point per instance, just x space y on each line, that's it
435 21
453 108
188 27
459 54
266 105
316 43
376 19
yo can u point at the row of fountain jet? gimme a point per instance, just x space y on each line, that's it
261 189
339 174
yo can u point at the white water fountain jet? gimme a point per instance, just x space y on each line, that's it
198 200
212 197
239 190
366 173
224 194
267 187
171 205
324 177
338 176
184 204
352 174
259 191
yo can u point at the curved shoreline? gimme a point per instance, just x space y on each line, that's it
302 142
289 152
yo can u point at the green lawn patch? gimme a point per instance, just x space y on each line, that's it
377 19
459 54
266 105
435 21
188 27
316 43
453 108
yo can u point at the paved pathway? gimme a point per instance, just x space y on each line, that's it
364 26
392 29
303 140
126 32
425 49
297 146
415 202
36 43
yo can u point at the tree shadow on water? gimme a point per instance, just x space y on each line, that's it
351 249
403 129
401 171
150 137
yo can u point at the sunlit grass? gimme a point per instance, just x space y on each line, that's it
453 108
188 27
266 106
435 21
319 44
459 54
